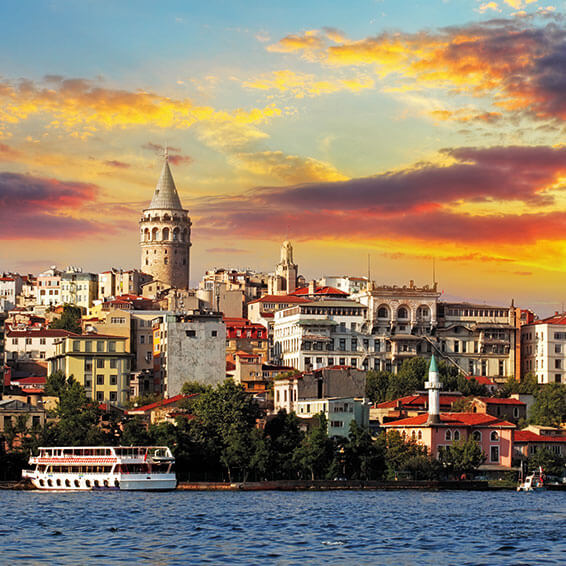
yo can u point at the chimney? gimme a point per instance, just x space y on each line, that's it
312 287
433 386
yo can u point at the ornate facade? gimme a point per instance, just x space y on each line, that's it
284 281
165 235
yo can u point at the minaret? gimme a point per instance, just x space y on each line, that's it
434 386
165 234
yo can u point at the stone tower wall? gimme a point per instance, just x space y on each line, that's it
165 241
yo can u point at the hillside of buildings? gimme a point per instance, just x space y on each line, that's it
270 375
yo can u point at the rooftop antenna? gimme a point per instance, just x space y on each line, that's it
433 271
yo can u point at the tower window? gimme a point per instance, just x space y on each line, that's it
166 261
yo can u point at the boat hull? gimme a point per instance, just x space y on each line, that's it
99 482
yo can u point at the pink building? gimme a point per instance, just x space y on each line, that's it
493 435
437 431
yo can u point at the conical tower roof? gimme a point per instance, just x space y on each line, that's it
433 366
165 195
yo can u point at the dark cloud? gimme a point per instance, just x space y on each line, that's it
174 153
417 203
39 208
117 164
492 174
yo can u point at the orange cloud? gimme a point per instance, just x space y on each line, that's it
300 85
288 168
513 61
82 108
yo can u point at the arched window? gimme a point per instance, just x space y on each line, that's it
175 234
413 435
423 313
476 435
383 312
185 236
456 435
403 312
165 233
420 435
448 435
155 234
494 437
166 218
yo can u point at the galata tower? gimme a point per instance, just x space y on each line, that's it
165 235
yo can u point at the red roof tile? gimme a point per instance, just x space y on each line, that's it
40 333
502 401
319 291
279 299
481 379
30 381
456 419
162 403
529 436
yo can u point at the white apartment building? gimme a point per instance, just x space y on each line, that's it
10 289
323 333
31 344
78 288
48 288
543 349
189 347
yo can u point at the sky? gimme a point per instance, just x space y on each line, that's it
406 133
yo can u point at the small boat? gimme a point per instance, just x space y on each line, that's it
87 468
534 482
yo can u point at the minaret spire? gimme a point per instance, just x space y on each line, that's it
434 386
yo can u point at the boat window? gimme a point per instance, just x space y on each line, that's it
77 484
58 482
41 482
116 483
87 483
49 483
68 483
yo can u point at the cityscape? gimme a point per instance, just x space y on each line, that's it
282 283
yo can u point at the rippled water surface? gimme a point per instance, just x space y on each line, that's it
402 527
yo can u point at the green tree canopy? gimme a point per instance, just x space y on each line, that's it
377 384
315 455
364 457
284 436
462 457
549 408
70 319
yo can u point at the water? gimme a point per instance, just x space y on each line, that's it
349 528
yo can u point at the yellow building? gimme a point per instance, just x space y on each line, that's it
99 362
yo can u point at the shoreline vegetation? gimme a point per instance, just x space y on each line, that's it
328 485
222 436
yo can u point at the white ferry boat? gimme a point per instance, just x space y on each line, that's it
103 467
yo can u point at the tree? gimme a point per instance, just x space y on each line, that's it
283 435
315 455
78 416
527 386
222 416
549 408
551 463
364 458
135 433
377 383
462 457
399 452
410 378
192 387
70 319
